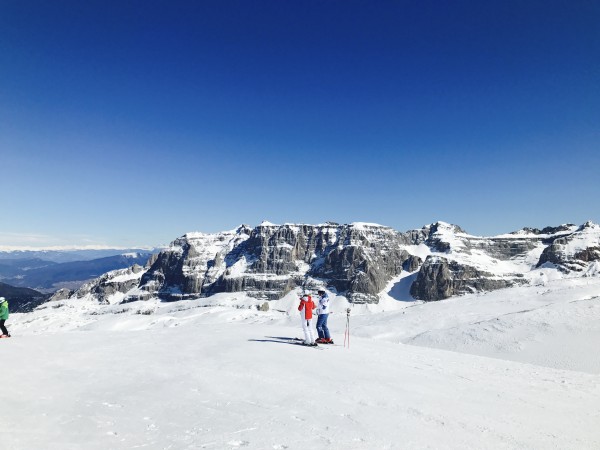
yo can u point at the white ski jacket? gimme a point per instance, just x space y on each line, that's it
323 306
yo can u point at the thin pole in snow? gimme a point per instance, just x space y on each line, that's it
347 332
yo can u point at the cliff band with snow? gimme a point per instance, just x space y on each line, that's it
356 260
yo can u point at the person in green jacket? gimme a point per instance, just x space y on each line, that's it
3 317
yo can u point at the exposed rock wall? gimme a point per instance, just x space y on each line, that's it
357 260
572 251
268 261
116 281
440 278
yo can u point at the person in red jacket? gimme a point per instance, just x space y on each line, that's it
306 313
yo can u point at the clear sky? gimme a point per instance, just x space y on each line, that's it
133 122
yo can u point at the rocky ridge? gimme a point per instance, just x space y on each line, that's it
357 260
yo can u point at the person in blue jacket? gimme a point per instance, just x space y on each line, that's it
323 312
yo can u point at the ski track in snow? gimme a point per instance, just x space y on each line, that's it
517 368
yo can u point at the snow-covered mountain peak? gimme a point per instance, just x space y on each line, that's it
545 232
194 236
590 225
441 225
442 229
266 223
367 226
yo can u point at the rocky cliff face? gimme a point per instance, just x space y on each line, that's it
440 278
268 261
356 260
192 264
573 251
112 285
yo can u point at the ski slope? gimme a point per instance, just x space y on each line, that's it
508 369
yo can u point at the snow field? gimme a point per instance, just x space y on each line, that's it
482 371
228 386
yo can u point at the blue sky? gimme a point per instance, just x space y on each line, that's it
131 123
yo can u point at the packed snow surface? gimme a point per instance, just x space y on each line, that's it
516 368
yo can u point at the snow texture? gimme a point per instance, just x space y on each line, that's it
516 368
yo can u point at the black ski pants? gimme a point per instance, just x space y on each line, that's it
2 327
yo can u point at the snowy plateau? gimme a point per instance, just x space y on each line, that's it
183 353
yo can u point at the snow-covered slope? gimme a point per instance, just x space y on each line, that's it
114 366
217 373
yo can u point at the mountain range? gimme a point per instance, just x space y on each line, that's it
361 261
50 276
67 254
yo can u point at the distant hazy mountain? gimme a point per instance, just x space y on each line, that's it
69 255
49 276
21 299
10 268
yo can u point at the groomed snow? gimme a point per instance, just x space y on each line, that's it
481 371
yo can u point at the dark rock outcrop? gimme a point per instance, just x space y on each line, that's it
117 281
440 278
61 294
548 230
572 251
412 263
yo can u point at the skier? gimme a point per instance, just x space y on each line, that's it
3 317
323 312
306 312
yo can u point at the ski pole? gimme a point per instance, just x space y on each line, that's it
347 332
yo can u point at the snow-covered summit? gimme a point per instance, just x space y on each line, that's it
266 223
545 232
366 225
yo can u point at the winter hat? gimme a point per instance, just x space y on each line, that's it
2 299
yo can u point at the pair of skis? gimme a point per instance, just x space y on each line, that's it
295 341
298 341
